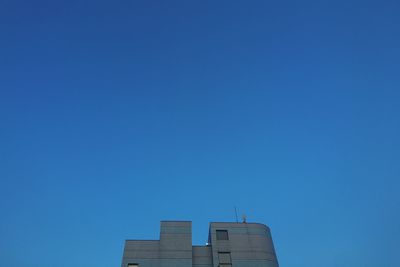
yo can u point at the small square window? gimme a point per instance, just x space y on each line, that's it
224 258
222 235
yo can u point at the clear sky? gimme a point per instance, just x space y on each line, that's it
115 115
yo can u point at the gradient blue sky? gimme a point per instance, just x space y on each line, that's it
115 115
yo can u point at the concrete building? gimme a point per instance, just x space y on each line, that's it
229 244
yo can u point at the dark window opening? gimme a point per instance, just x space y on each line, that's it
222 235
133 265
224 259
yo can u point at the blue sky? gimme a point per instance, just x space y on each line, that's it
115 115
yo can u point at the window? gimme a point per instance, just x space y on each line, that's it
224 259
133 265
222 235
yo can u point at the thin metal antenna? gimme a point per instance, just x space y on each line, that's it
236 215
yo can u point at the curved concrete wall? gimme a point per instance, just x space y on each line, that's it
249 244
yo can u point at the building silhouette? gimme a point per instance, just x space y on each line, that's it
229 244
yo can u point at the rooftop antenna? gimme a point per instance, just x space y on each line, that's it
236 215
244 218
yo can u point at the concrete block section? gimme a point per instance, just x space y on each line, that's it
176 236
202 256
230 244
246 243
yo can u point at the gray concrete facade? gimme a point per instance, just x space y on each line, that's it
229 244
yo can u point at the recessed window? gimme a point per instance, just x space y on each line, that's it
133 265
224 259
222 235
